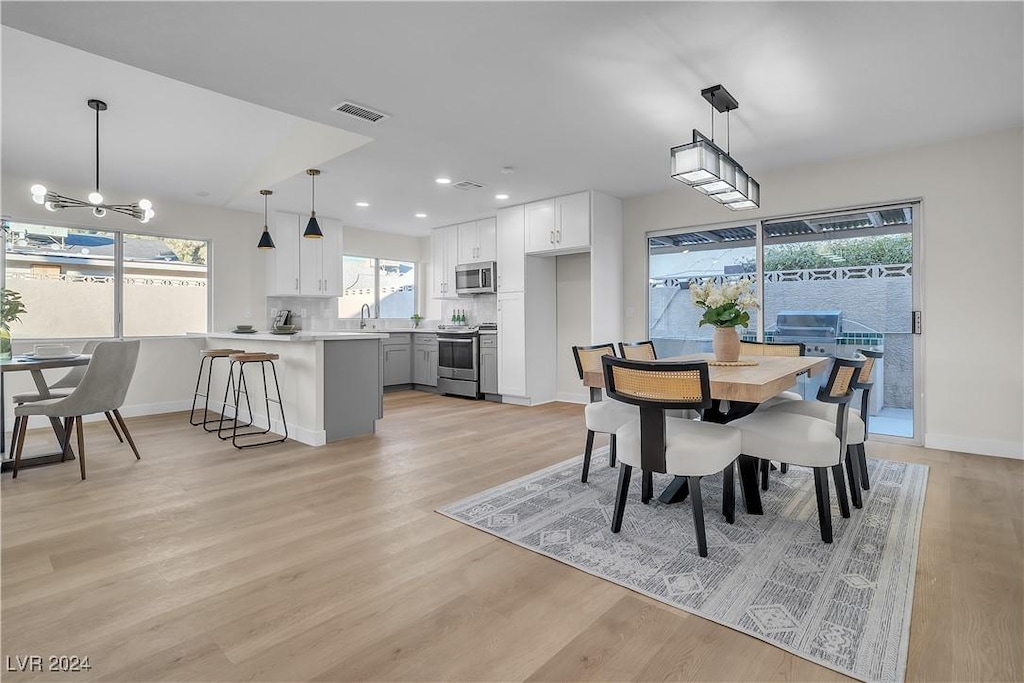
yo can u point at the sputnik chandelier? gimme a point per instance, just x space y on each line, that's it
141 210
708 168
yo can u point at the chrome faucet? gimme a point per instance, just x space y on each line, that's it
362 321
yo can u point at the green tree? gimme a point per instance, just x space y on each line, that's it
189 251
856 251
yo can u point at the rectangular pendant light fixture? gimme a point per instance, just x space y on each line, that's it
708 168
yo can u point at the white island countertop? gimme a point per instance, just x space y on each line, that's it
297 337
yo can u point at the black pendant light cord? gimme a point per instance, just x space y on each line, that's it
312 200
97 150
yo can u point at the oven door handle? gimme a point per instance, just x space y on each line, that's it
459 341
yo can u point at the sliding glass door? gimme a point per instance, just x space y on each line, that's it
836 282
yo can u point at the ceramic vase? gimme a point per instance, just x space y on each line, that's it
726 344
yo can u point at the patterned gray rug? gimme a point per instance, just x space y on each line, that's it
845 606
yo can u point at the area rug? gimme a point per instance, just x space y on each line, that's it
845 606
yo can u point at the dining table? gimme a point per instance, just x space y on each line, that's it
36 365
736 391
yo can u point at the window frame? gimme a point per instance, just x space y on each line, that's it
119 268
375 312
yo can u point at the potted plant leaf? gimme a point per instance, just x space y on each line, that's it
416 319
11 308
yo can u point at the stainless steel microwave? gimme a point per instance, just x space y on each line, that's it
476 278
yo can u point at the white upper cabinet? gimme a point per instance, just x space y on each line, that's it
476 241
298 266
559 225
444 256
283 260
511 254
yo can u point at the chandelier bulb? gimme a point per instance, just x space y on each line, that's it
95 198
39 198
145 204
99 212
38 190
50 207
149 213
144 219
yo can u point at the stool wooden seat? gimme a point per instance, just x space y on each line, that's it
253 357
206 358
219 353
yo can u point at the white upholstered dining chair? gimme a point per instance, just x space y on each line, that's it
600 415
808 441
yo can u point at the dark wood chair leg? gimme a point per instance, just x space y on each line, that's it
824 510
611 450
862 460
748 484
113 425
729 493
764 466
647 488
80 429
783 467
698 516
14 433
844 501
620 497
586 456
65 448
853 475
127 434
19 445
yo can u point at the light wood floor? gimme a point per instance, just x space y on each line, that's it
201 562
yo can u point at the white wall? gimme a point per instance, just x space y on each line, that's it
572 291
973 243
165 377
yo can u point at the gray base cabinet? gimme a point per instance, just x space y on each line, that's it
424 359
397 359
489 364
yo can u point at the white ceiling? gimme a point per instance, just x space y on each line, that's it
572 95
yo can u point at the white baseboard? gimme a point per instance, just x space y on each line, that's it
566 397
310 437
966 444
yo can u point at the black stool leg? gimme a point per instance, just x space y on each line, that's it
243 388
195 395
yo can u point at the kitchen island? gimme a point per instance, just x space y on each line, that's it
331 382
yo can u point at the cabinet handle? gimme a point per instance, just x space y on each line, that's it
296 284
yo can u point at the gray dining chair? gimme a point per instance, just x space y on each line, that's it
61 389
103 388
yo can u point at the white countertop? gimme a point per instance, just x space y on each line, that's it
297 337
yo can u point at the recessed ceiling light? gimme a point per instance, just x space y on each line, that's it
362 204
501 196
442 181
202 193
421 215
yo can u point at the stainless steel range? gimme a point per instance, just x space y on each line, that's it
458 360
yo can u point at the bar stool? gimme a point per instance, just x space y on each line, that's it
239 387
207 357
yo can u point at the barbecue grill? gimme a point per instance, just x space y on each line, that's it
817 330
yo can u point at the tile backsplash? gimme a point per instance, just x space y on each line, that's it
315 314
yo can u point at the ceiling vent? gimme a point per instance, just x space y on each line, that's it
361 112
467 185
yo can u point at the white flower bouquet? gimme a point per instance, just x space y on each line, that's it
725 306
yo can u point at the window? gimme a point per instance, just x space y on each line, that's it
387 287
165 290
71 279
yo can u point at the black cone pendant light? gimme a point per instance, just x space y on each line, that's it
266 241
313 227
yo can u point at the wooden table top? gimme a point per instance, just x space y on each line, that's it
25 363
749 383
